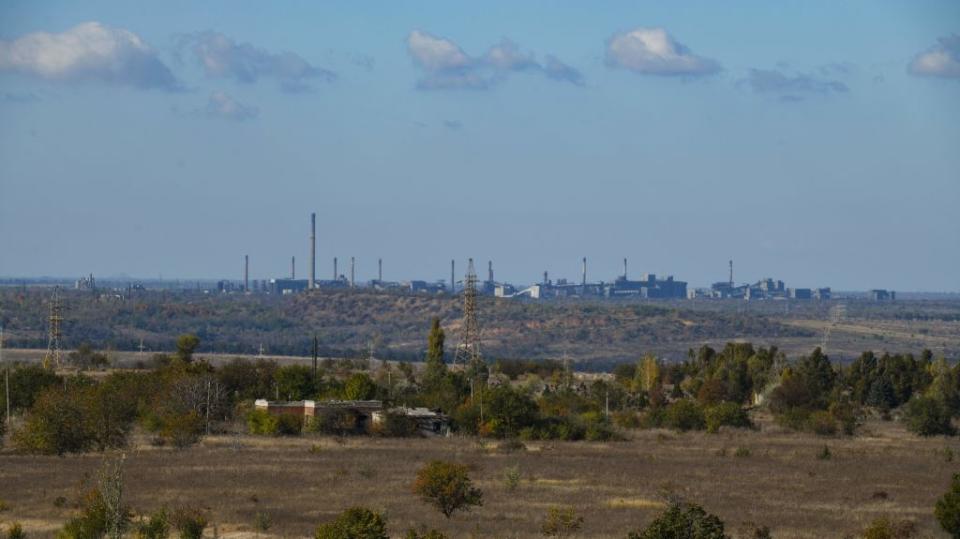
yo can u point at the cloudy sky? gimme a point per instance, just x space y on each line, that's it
813 141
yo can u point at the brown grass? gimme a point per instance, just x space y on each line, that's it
616 486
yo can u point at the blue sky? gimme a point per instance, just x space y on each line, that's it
815 142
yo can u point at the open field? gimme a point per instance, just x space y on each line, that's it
767 477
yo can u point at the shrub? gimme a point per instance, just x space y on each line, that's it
446 486
886 528
926 416
824 453
262 422
511 478
793 418
55 425
947 509
92 520
685 415
682 521
190 523
728 414
822 424
262 522
742 452
289 424
354 523
560 522
336 422
396 425
155 527
15 531
424 534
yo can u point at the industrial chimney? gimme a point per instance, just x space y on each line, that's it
379 270
546 277
351 272
313 250
335 274
246 273
293 268
584 280
490 271
453 281
624 269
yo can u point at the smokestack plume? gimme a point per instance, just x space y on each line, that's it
246 273
351 272
313 251
584 280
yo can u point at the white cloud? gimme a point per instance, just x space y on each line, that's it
652 51
223 57
222 105
941 60
446 66
88 52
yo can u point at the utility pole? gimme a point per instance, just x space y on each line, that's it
316 345
6 370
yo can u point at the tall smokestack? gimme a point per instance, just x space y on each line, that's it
546 278
313 250
351 272
380 270
731 274
490 270
584 280
335 274
246 273
453 282
624 269
293 268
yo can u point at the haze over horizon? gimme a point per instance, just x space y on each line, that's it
813 142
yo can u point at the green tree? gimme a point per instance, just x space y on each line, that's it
55 425
947 509
683 521
446 486
295 382
354 523
684 415
186 345
928 417
359 387
435 370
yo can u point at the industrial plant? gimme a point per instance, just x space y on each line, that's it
648 286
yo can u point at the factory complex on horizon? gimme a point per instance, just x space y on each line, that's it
648 286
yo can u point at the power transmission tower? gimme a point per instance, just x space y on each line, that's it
468 351
54 341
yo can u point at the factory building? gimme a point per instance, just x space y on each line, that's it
648 287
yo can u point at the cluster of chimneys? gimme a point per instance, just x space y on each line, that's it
313 265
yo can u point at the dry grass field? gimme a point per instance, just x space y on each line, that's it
767 477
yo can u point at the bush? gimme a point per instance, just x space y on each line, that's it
947 509
190 523
561 522
511 478
354 523
886 528
155 527
682 521
729 414
263 423
424 534
926 416
397 425
822 424
684 415
446 486
55 425
289 424
793 418
15 531
335 422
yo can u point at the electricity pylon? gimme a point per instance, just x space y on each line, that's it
468 351
52 359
